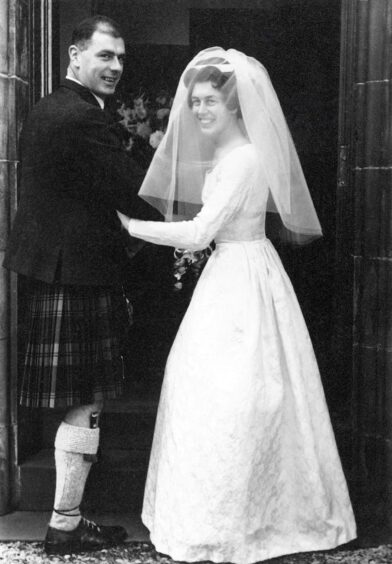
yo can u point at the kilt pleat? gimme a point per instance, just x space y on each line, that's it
74 345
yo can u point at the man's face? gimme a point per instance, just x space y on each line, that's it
100 65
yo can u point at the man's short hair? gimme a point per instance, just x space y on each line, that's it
83 32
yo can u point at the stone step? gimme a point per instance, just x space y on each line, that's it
115 483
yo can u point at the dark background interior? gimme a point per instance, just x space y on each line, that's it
298 42
299 45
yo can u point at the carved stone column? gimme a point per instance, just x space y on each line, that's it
365 248
14 101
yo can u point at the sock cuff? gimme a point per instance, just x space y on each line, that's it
81 440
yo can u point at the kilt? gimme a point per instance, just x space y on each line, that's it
75 338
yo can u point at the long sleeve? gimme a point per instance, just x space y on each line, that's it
74 176
96 167
230 184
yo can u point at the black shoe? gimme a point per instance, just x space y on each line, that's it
87 536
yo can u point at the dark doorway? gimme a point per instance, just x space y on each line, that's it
298 42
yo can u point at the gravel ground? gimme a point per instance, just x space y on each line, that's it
144 553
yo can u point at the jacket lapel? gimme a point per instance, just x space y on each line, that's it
81 90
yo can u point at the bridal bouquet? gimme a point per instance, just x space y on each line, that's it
145 124
189 263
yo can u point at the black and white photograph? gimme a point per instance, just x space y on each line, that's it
196 281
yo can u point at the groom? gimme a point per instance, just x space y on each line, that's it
66 240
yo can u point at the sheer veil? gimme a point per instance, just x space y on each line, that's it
174 181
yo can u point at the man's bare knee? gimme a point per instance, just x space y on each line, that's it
80 416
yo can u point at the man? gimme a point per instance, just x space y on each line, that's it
66 239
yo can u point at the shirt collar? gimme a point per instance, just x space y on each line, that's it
99 100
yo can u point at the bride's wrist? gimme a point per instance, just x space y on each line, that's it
128 227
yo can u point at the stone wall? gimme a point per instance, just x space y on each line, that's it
364 253
14 102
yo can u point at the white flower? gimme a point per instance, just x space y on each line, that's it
139 108
162 112
156 138
129 144
143 129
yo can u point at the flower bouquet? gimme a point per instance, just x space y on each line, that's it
145 124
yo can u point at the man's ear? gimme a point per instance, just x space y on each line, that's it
73 52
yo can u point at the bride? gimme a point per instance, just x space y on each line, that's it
244 465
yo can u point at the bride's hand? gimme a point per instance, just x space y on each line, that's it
124 220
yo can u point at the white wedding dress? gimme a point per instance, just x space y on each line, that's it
244 465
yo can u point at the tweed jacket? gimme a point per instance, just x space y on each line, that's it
74 175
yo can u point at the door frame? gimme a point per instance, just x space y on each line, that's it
40 33
42 30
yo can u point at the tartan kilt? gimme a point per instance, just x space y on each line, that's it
75 338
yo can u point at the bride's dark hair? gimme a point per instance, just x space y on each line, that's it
221 80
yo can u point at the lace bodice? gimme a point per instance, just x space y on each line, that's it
233 208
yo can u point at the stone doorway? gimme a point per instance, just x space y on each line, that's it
307 84
262 32
364 176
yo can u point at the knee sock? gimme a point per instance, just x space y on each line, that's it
72 469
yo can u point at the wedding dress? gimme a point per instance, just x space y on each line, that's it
244 465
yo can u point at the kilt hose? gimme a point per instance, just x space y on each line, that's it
75 340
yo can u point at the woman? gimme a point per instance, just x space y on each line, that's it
244 465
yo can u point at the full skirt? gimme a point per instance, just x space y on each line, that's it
244 465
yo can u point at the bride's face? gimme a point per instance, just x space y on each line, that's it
209 108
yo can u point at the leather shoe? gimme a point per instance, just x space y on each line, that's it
87 536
